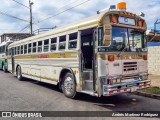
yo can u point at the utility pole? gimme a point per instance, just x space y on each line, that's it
31 23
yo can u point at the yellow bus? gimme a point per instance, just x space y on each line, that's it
102 55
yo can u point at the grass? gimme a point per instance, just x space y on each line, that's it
152 90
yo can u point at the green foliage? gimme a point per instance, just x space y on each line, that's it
153 90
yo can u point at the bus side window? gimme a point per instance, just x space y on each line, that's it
15 50
25 49
6 50
72 41
40 46
21 49
29 48
53 44
34 47
2 49
18 50
46 45
10 51
62 42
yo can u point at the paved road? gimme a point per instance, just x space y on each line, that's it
29 95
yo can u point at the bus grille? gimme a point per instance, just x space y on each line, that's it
129 66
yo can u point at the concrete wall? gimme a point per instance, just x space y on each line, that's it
154 58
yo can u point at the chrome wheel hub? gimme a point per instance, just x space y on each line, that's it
68 85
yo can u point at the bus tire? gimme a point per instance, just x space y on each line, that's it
4 69
69 85
1 67
19 73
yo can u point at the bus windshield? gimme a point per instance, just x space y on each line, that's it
125 38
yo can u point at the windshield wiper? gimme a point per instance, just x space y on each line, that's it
137 50
126 46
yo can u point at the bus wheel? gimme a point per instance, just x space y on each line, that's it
4 69
19 73
69 86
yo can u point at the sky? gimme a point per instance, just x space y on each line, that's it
54 11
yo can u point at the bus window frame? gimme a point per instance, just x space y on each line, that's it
18 50
25 49
55 43
22 49
38 46
76 32
15 50
46 45
29 48
62 42
34 47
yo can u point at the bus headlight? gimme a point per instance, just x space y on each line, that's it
114 81
118 80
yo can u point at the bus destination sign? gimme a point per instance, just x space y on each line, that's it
127 21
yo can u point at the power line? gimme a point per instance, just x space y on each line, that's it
61 7
8 15
24 28
60 2
30 8
20 4
66 5
64 11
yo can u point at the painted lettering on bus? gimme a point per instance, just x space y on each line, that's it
43 56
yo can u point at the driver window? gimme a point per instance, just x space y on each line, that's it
135 39
118 38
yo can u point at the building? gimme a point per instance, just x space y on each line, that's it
153 52
153 36
13 36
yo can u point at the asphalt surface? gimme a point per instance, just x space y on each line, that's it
29 95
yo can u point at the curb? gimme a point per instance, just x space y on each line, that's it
148 95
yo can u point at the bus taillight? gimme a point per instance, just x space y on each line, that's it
111 58
144 57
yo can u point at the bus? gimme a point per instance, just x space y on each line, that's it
102 55
3 55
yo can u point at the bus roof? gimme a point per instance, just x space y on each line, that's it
5 42
89 22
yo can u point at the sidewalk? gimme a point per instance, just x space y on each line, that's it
155 80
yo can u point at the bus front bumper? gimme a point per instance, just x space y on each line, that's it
128 87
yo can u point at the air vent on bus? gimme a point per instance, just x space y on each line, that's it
129 66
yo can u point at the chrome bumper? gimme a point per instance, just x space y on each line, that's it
128 87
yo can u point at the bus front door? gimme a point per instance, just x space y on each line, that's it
87 55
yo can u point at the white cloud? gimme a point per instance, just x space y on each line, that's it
46 8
